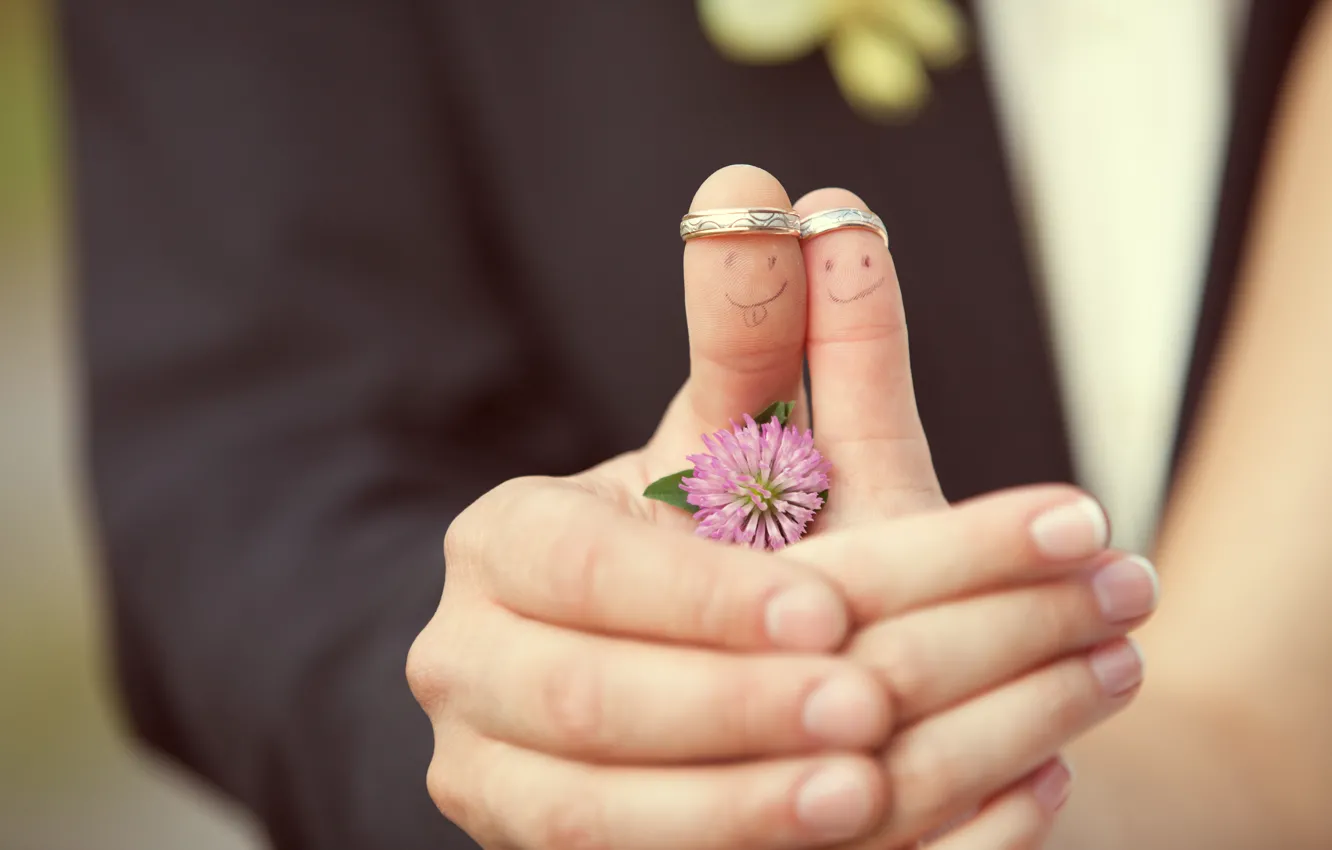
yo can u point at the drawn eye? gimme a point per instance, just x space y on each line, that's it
827 265
772 261
729 260
864 261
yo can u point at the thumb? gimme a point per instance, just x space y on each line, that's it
745 305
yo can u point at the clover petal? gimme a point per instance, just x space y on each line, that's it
757 485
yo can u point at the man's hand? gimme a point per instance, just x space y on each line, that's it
597 678
595 681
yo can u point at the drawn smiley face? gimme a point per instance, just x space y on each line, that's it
864 280
767 288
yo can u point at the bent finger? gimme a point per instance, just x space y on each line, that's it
1016 536
520 798
549 550
936 656
946 765
610 700
1019 818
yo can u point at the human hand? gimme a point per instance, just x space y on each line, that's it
547 736
1039 653
595 677
568 673
1035 647
998 649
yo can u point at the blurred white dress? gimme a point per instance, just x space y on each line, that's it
1115 114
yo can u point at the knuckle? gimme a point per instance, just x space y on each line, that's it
1054 615
451 779
448 794
1068 697
1026 825
422 673
454 538
466 535
757 356
740 703
463 540
579 557
512 494
573 700
899 658
705 601
744 813
578 822
931 777
433 666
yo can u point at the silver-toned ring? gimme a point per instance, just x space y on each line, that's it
835 219
770 221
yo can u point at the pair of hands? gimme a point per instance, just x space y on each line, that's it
597 677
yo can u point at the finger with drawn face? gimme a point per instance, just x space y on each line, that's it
864 404
745 305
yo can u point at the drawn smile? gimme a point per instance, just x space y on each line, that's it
859 295
765 301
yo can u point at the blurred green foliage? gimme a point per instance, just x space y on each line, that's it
68 778
53 720
29 116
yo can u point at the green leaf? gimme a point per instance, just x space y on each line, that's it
823 494
780 409
668 490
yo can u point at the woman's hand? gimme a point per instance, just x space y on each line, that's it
996 654
595 677
1040 646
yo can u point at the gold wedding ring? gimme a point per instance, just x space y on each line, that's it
770 221
835 219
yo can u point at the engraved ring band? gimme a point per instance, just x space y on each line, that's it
769 221
835 219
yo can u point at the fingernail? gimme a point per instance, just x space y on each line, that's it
805 617
1127 589
1069 531
1117 666
1052 784
835 804
845 709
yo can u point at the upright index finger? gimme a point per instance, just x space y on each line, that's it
551 551
864 403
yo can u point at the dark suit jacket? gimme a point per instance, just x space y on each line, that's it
344 266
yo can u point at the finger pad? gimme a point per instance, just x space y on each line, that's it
740 186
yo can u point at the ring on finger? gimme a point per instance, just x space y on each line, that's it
835 219
772 221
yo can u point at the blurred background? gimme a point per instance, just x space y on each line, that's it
69 778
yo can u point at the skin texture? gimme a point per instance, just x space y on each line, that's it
864 279
1234 721
739 364
868 422
1232 724
597 676
753 286
860 373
